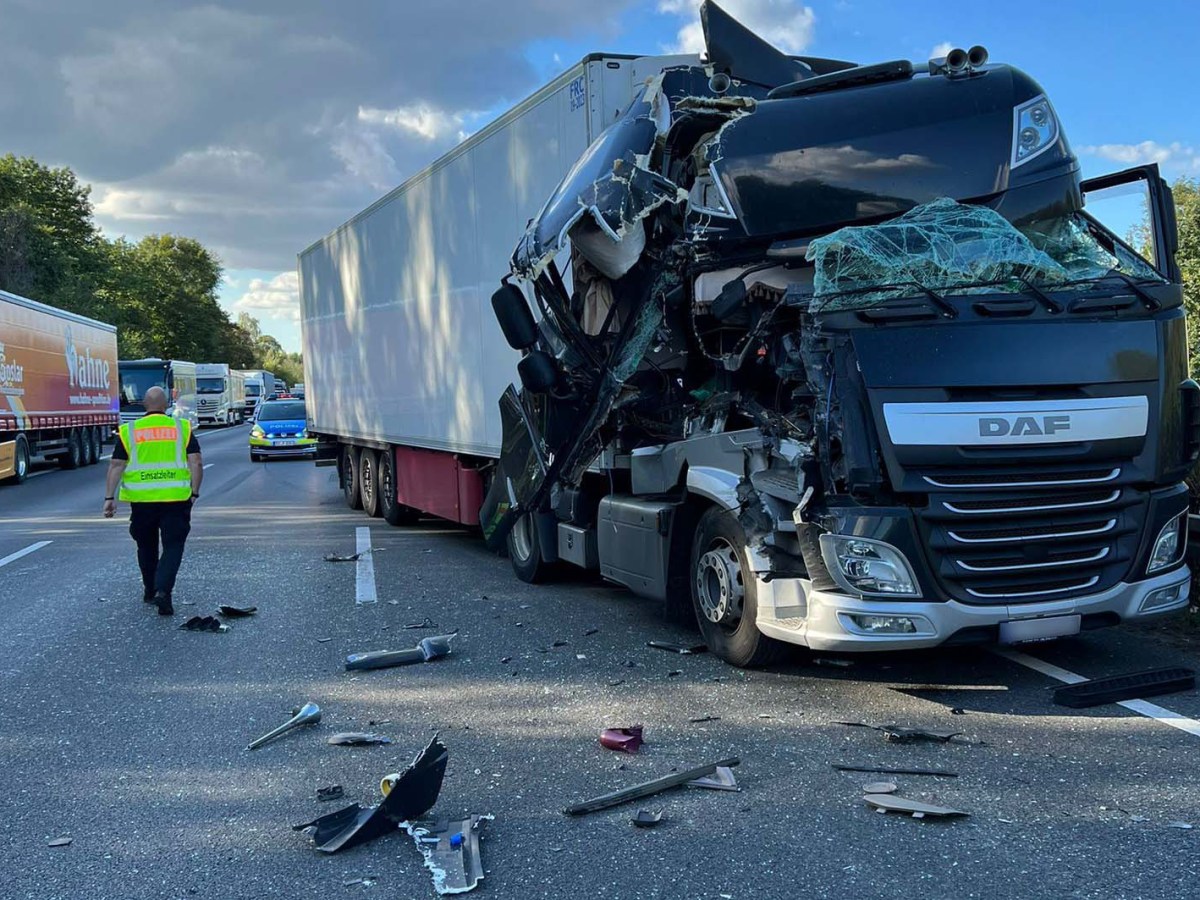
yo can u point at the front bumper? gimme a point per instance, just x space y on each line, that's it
790 610
265 447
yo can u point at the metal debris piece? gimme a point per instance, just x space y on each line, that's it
424 623
720 780
427 649
677 648
1131 686
333 792
204 623
888 770
591 631
646 819
647 788
917 809
897 734
66 842
358 738
451 851
236 612
1185 826
353 557
626 740
365 881
700 719
407 796
308 714
880 787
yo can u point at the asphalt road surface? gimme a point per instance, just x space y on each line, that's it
127 735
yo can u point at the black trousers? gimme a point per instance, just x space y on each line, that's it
148 522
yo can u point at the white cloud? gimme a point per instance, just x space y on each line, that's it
419 119
941 50
278 298
786 24
1173 156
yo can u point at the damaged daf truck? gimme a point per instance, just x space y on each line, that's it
835 355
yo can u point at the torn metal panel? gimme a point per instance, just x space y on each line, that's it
885 803
408 796
429 648
451 851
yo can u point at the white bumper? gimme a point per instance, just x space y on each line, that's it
790 610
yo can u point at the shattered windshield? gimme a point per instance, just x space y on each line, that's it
949 246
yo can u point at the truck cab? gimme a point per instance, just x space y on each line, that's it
221 396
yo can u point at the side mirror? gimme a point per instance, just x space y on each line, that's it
516 321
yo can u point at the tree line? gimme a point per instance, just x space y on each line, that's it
160 292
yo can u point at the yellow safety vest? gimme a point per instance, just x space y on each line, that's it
157 470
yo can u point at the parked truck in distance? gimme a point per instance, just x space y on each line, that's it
815 353
58 386
221 395
175 376
260 384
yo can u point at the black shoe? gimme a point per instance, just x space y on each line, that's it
163 601
147 596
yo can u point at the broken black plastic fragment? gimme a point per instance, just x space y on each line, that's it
890 770
236 612
451 851
677 648
204 623
427 649
332 792
1132 686
353 557
411 794
646 819
898 734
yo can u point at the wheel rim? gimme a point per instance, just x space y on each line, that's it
22 462
522 539
720 589
368 487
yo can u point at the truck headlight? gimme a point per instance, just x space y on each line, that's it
1169 546
868 567
1035 129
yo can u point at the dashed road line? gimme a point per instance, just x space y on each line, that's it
13 557
1141 707
364 568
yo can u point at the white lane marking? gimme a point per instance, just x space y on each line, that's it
1141 707
364 582
208 466
13 557
40 474
106 456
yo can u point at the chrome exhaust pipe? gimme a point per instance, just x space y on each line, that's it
308 714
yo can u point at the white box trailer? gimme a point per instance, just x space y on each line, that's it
401 349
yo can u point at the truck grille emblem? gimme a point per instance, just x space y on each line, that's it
1023 426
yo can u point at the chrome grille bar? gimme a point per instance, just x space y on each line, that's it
1020 509
1100 554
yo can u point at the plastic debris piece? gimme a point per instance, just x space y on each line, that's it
701 719
1131 686
236 612
591 631
626 740
916 808
427 649
1185 826
897 734
506 659
353 557
365 881
308 714
720 780
408 795
677 648
204 623
619 681
646 819
889 770
66 842
424 623
674 672
831 661
358 738
647 788
559 644
333 792
451 851
324 640
880 787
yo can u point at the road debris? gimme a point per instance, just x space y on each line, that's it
358 738
353 557
1131 686
66 842
701 719
885 803
898 734
591 631
236 612
880 787
720 780
1184 826
677 648
333 792
647 788
424 623
674 673
427 649
324 640
406 796
365 881
626 740
308 714
451 851
204 623
833 663
646 819
890 770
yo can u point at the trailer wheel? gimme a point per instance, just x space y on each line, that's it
394 512
350 477
724 595
73 458
525 552
368 464
20 461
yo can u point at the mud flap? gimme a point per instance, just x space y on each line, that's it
520 471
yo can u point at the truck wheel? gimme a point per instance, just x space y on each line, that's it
350 477
368 464
88 452
394 512
525 552
724 596
73 458
97 443
20 461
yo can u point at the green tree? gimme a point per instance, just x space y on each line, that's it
1187 214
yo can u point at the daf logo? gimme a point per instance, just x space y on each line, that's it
1023 426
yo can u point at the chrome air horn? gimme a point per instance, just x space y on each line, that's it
309 714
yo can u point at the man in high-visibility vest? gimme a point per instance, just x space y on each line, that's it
156 462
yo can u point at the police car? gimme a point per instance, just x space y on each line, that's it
279 430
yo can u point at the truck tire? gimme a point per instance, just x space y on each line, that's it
97 443
525 553
368 465
89 455
394 512
724 598
20 461
350 477
73 458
